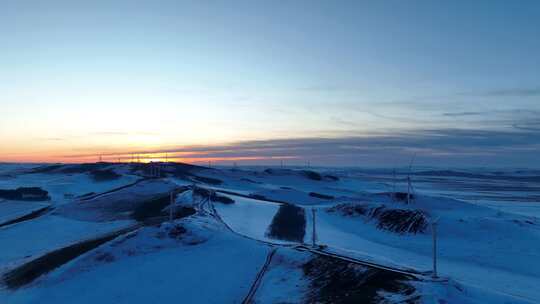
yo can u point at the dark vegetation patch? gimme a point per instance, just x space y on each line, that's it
349 209
400 220
253 196
184 211
222 199
289 224
270 171
45 169
213 195
83 168
104 175
69 169
201 191
336 281
249 180
321 196
493 176
105 257
331 178
306 173
177 231
312 175
180 170
151 208
87 195
258 196
395 220
208 180
30 216
30 271
154 170
92 195
25 194
154 208
401 196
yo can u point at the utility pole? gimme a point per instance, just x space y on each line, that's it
281 163
314 231
434 232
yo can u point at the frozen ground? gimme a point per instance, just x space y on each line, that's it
488 234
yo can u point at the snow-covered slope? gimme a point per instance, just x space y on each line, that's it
485 255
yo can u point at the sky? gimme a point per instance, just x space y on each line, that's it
335 83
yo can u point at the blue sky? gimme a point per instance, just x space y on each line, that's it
457 82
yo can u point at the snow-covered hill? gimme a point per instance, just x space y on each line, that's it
107 226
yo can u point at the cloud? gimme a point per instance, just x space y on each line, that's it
51 138
120 133
433 147
323 88
460 114
515 92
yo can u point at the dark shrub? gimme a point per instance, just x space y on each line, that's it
321 196
208 180
104 175
177 231
336 281
151 208
222 199
257 196
154 208
25 194
312 175
402 221
214 196
45 169
289 224
349 209
331 178
402 196
82 168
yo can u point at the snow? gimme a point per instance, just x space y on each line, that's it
30 239
59 184
219 269
284 281
481 251
487 239
117 204
10 210
247 216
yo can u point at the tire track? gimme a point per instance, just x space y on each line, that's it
258 279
